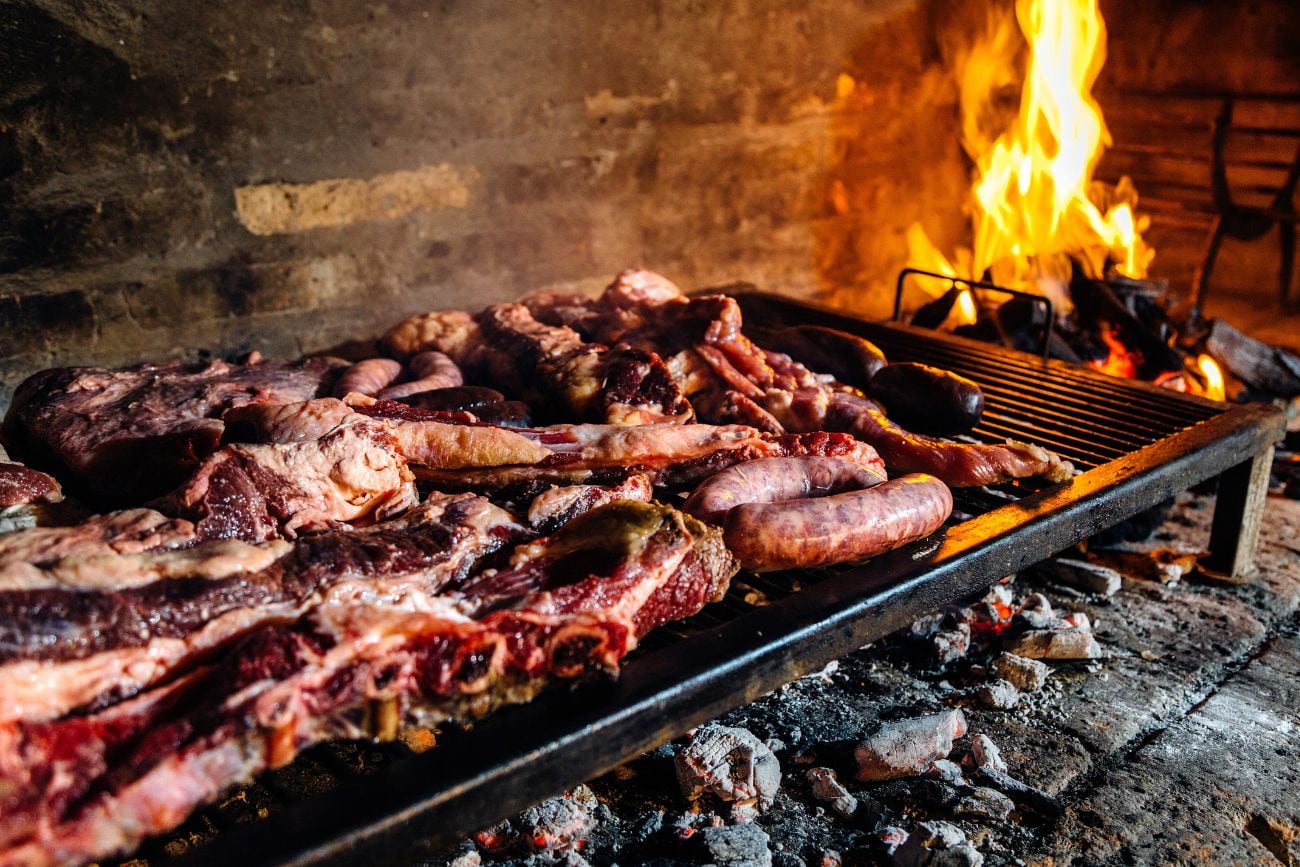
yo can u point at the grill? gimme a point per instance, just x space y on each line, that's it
1138 445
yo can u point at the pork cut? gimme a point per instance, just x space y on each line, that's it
123 624
86 787
129 434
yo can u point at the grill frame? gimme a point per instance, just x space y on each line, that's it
734 652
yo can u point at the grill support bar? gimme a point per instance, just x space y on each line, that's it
1238 511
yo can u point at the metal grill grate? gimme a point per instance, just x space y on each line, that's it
1139 445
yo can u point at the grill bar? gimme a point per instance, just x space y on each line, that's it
385 797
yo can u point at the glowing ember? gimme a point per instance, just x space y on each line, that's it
1121 361
1214 388
1033 194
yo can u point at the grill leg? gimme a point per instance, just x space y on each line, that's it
1238 511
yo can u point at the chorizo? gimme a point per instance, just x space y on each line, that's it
772 480
849 358
368 377
429 371
838 528
928 400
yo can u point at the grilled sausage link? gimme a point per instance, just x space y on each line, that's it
849 358
839 528
368 377
773 480
429 371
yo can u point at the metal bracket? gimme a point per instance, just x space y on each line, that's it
982 285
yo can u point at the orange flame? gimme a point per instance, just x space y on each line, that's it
1120 361
1033 208
1214 387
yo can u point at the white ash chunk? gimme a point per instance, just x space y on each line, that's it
937 844
1028 675
986 754
1069 643
1082 575
948 771
906 748
949 645
826 788
559 824
1036 612
732 765
998 694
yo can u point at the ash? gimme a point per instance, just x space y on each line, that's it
1115 705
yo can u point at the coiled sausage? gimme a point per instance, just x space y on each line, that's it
368 377
838 528
773 480
429 370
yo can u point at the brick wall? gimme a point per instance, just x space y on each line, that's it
178 177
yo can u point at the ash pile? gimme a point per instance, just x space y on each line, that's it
989 732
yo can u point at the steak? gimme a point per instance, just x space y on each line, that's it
20 485
350 474
85 787
65 646
129 434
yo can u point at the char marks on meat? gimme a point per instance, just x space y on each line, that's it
86 787
134 433
64 647
560 504
352 473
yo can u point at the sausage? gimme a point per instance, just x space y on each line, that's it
368 377
774 480
839 528
461 398
429 371
928 400
850 359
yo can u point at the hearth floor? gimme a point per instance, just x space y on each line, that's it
1181 745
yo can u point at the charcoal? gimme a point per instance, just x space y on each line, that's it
1082 575
998 695
937 844
1028 675
560 823
950 645
947 771
1071 639
1023 794
908 747
984 804
733 846
732 765
827 789
1036 612
986 754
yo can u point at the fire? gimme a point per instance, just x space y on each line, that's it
1033 193
1120 361
1214 387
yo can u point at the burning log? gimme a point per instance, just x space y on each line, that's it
906 748
1268 369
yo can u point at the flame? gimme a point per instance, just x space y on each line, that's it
1214 388
1033 192
1120 361
964 309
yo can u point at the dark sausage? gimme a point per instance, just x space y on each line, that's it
837 529
459 398
928 400
773 480
368 377
851 359
429 370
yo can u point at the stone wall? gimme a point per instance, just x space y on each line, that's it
179 177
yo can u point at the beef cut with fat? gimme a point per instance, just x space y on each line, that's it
126 621
81 788
129 434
